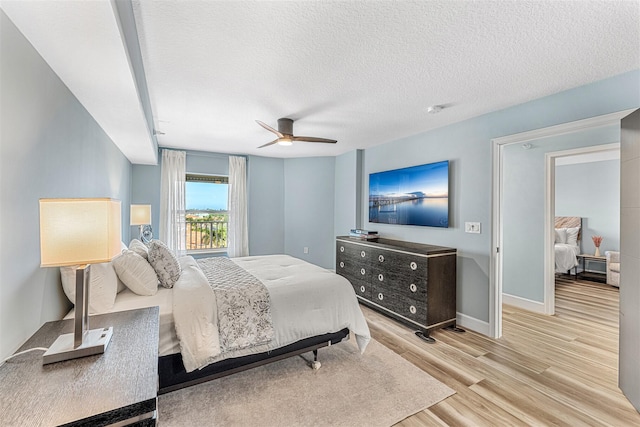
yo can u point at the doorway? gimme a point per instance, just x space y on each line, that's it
528 140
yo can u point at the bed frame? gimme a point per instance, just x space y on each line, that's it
173 376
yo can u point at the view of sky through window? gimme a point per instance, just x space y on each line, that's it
206 195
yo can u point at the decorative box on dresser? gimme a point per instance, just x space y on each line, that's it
410 282
118 387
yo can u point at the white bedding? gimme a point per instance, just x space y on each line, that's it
565 256
127 300
306 301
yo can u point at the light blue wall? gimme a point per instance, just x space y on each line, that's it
592 191
467 145
145 190
49 147
346 193
265 188
309 193
523 208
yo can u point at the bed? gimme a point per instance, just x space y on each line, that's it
310 307
568 234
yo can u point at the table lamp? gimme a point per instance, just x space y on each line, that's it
141 216
84 232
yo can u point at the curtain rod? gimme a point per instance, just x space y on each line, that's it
205 153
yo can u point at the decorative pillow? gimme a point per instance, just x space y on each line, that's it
561 235
140 248
103 286
165 263
136 273
572 236
121 286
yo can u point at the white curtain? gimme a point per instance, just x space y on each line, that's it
238 234
172 200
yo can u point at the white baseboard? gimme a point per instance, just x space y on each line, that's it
468 322
523 303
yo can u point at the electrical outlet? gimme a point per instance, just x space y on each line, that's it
305 250
472 227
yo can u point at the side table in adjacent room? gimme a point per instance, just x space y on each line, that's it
118 387
586 274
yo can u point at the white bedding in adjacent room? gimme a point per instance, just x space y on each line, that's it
566 257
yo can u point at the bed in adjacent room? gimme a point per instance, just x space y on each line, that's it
568 233
210 328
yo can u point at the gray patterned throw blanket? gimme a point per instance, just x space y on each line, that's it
244 308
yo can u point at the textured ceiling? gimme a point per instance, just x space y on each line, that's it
361 72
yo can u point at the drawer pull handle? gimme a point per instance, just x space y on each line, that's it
362 271
413 287
362 289
380 296
381 258
412 309
380 277
362 254
413 265
341 248
341 264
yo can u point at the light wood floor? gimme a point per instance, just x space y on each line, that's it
545 370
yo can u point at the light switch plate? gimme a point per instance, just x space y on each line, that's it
472 227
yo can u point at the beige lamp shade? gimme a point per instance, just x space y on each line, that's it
140 214
79 231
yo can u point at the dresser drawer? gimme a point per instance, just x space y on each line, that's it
400 304
404 283
362 288
400 264
355 252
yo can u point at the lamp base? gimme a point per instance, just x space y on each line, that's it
95 341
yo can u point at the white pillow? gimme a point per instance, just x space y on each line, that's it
121 286
165 263
140 248
136 273
561 235
572 236
103 286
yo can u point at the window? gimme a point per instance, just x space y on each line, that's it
207 217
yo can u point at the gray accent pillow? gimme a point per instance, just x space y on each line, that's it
165 263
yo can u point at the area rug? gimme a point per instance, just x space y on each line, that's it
377 388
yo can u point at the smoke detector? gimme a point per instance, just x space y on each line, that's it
434 109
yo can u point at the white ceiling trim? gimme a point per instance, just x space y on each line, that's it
361 72
82 43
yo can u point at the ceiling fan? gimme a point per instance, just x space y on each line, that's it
286 136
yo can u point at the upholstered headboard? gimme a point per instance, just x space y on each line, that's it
570 222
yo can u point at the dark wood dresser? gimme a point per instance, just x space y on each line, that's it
410 282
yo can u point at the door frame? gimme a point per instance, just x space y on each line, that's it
497 154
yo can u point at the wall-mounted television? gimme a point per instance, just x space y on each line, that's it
417 195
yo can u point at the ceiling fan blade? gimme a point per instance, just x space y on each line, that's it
269 143
270 129
314 139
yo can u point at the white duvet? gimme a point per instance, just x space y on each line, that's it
566 257
306 300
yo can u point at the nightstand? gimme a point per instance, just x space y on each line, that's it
117 387
592 275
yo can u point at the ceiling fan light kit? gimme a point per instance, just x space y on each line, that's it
285 134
